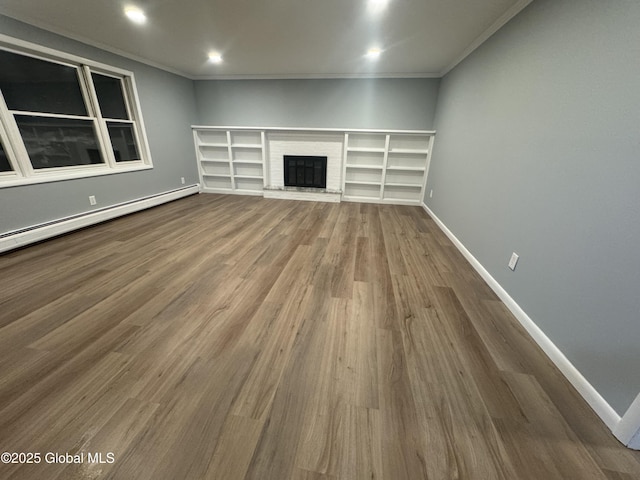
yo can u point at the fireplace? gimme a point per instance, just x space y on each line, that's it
305 171
326 186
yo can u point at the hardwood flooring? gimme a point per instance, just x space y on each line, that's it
229 337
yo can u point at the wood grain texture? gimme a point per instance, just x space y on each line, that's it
228 337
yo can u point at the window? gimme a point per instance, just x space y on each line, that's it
30 84
58 142
65 117
115 112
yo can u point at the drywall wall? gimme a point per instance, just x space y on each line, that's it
323 103
168 109
537 152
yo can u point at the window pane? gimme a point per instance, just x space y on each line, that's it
59 142
110 98
123 142
33 85
5 166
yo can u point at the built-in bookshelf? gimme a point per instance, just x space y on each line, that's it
377 166
230 161
386 167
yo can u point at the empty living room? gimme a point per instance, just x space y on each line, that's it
273 240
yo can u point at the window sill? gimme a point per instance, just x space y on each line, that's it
16 181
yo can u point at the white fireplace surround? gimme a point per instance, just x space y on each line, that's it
324 144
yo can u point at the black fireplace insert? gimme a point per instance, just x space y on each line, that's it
305 171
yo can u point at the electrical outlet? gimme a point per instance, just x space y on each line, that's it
92 199
182 180
513 261
431 193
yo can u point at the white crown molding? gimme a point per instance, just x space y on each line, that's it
316 76
484 36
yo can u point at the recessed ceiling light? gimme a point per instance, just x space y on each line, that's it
377 6
373 53
215 57
135 15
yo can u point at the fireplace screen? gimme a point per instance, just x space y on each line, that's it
305 171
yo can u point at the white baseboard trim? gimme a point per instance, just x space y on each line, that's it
599 405
628 430
20 238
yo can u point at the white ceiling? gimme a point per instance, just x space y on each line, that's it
279 38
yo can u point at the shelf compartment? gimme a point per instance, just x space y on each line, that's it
215 168
362 182
409 151
246 138
406 160
212 137
403 185
216 182
406 169
356 158
413 143
366 167
365 150
247 145
362 190
243 154
364 175
367 141
402 192
226 175
250 184
247 169
404 178
214 153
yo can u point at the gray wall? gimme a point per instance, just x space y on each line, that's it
328 103
538 152
168 109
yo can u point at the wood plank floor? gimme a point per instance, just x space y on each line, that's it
229 337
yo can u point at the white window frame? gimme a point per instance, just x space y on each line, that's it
24 173
6 146
102 121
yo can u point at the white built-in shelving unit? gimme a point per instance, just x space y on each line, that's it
378 166
230 161
386 167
